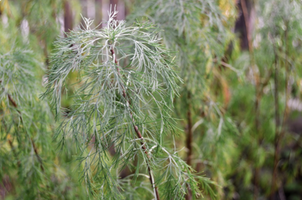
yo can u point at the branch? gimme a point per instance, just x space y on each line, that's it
277 133
37 154
189 141
190 133
12 101
138 133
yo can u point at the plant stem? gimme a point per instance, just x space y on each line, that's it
12 101
189 131
277 123
138 133
189 140
37 154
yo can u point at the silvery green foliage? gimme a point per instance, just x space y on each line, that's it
125 85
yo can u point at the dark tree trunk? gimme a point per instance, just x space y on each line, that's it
245 22
68 22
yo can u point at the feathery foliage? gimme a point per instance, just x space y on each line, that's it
122 100
197 32
29 167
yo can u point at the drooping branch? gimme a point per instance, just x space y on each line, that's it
138 133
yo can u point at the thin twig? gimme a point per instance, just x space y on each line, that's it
37 154
12 101
226 65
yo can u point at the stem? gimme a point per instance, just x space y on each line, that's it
287 78
189 140
279 125
12 101
277 122
138 133
257 129
189 133
37 154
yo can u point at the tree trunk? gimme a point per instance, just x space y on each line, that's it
245 24
68 22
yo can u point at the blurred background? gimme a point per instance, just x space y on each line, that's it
239 108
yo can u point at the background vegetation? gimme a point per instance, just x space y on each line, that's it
215 93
